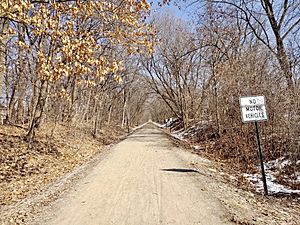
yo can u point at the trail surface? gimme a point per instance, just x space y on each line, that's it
143 180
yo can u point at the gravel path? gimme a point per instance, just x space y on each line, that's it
143 180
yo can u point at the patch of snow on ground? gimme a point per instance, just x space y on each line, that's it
273 187
270 169
279 163
178 134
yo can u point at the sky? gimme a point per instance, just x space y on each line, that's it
183 13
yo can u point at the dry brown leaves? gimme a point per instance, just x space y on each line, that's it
25 171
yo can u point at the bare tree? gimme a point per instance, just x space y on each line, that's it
272 23
174 70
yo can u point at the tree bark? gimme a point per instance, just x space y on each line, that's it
21 82
37 112
4 23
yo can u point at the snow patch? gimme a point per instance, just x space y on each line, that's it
271 168
273 187
277 164
178 134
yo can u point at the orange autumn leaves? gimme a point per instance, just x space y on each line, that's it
78 38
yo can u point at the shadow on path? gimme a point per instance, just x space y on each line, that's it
176 170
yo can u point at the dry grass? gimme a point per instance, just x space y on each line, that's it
56 151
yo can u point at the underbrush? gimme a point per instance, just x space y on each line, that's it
56 150
238 150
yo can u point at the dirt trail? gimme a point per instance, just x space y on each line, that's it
143 180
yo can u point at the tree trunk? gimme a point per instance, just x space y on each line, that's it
281 53
109 114
124 108
4 23
37 112
21 83
284 64
123 114
84 115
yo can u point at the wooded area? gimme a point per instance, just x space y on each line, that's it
70 61
234 48
103 64
69 83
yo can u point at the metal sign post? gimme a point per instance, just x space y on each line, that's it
261 160
254 110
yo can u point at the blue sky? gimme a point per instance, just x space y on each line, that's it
183 13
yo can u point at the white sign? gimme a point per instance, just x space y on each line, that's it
253 109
